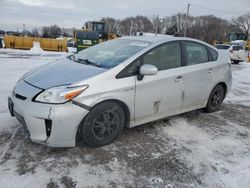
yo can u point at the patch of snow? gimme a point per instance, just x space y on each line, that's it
155 180
103 175
132 154
72 49
240 88
223 161
14 64
156 155
36 48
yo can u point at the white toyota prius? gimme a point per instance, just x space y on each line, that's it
93 95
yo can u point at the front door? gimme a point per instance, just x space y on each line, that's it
160 93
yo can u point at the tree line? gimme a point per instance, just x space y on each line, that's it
206 28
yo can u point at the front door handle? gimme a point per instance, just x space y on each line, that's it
210 70
178 79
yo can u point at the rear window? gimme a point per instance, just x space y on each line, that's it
222 47
237 48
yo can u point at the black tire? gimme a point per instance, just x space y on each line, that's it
215 99
102 125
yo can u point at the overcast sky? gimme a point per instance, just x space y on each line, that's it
73 13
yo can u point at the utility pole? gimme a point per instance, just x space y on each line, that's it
186 21
157 24
131 27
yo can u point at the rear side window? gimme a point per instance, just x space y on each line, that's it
213 55
195 53
237 48
164 57
222 47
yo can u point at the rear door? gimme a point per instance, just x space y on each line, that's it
198 76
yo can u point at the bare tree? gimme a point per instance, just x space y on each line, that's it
111 24
45 32
242 23
52 31
131 25
35 32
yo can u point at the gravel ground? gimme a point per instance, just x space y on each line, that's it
194 149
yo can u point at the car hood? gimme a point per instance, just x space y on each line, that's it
61 72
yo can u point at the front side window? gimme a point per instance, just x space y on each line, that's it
195 53
164 57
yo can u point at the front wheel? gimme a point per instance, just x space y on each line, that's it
215 99
102 125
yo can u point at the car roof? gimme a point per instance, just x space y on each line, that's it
150 39
162 39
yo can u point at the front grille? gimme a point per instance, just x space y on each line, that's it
20 97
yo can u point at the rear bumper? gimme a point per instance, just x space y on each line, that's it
51 125
235 58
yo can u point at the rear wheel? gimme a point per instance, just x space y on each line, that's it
102 125
215 99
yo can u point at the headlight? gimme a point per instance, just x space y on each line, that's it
59 95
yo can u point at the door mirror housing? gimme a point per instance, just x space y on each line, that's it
148 69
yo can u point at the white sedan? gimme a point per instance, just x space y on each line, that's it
125 82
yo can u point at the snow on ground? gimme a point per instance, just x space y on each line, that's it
241 85
194 149
13 64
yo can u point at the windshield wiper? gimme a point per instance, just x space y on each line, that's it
87 62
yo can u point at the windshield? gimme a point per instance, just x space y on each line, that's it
222 47
111 53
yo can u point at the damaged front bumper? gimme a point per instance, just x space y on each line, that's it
48 124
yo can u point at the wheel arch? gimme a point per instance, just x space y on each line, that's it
119 102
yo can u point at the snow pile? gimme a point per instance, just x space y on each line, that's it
240 91
36 48
72 49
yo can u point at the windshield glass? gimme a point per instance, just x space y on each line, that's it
222 47
111 53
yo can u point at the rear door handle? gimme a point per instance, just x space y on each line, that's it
210 70
178 79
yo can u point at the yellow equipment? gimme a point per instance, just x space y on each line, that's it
27 43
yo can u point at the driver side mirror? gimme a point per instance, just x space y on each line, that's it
147 70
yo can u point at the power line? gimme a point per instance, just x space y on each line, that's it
215 10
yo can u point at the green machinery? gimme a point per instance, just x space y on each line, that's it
92 34
240 36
